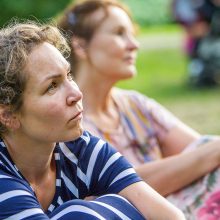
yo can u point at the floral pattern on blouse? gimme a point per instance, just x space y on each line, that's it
142 122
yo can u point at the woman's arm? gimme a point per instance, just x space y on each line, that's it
172 134
174 137
177 139
182 169
150 203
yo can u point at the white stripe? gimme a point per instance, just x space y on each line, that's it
58 182
77 208
66 151
26 213
82 176
2 144
11 165
74 160
122 175
13 193
51 207
86 138
93 159
57 156
118 196
70 185
59 201
111 160
115 195
5 177
116 211
16 167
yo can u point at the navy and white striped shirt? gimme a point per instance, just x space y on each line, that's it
86 166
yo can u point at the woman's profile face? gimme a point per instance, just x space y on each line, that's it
52 102
113 47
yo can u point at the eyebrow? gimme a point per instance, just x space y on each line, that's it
52 76
58 75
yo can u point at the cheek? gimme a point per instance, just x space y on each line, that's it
48 110
106 57
54 110
115 50
109 48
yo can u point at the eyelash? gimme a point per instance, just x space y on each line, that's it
54 84
70 76
120 32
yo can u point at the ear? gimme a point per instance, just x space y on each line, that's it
79 47
8 118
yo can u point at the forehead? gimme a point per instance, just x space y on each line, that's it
115 16
117 13
43 59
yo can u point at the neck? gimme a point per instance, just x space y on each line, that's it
98 102
33 159
36 163
93 103
97 90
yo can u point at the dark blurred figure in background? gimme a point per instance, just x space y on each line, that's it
200 19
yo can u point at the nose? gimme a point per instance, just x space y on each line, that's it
133 43
74 95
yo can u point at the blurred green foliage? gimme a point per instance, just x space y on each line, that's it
42 10
146 12
150 12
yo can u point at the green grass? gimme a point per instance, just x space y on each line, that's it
162 74
160 29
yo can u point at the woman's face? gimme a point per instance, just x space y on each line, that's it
52 103
113 48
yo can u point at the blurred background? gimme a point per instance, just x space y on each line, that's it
162 62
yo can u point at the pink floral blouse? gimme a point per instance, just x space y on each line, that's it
143 122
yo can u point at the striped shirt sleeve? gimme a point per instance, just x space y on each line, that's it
17 201
108 171
109 206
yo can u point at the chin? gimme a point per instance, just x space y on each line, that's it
129 75
131 72
73 136
78 132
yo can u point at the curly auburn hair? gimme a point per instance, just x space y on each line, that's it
17 40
